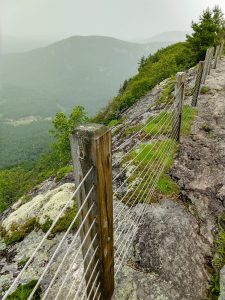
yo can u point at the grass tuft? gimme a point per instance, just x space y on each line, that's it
140 183
24 290
17 232
188 115
161 124
63 223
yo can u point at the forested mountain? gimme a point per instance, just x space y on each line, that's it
85 71
78 70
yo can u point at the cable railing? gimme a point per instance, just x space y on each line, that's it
151 185
165 109
59 247
150 134
100 243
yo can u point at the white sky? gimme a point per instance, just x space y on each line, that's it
125 19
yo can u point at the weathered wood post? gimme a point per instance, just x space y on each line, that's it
198 81
206 65
216 57
221 49
91 146
179 94
211 59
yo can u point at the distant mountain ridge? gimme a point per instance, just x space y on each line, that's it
170 36
77 70
85 71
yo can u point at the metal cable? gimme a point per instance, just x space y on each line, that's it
136 167
146 178
147 184
174 97
83 277
63 239
139 219
162 126
96 291
64 258
93 285
89 280
152 120
145 168
75 257
45 236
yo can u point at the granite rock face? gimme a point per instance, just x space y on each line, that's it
43 206
168 252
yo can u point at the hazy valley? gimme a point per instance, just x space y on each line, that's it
85 71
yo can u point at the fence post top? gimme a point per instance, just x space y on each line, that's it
90 130
181 76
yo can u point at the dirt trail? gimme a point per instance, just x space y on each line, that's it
200 166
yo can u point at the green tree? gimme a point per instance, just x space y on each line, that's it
63 126
208 32
142 63
220 23
13 183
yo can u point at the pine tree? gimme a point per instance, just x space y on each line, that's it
208 32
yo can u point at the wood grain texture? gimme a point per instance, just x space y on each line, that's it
198 81
180 93
216 56
91 147
212 50
221 49
206 65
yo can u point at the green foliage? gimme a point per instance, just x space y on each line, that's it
160 124
113 123
24 290
17 232
217 263
206 127
63 171
208 32
13 184
219 258
22 263
130 130
167 186
204 90
63 127
214 287
163 64
152 155
188 115
63 223
154 152
167 95
17 181
25 142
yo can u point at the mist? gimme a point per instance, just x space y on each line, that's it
127 19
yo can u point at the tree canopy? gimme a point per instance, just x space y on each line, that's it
207 32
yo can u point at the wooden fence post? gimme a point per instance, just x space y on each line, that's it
206 65
197 83
221 49
211 59
179 94
91 146
216 57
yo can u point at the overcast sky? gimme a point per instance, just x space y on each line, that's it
125 19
